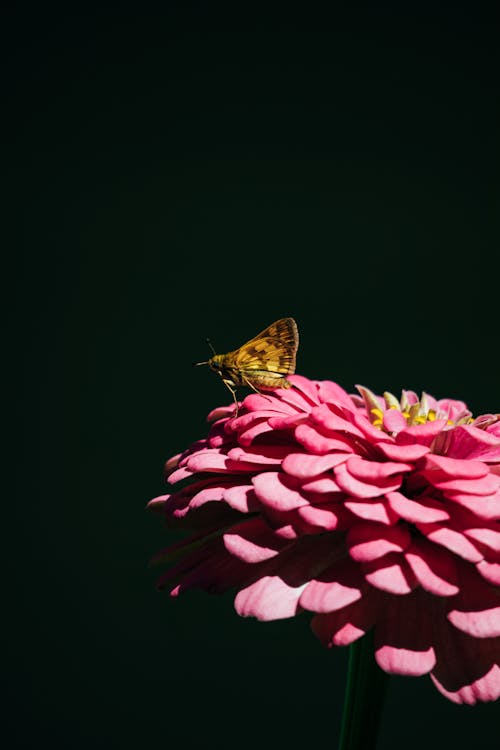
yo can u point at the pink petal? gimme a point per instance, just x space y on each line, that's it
405 661
476 610
467 669
403 636
258 428
324 417
308 387
331 392
391 574
433 567
265 455
486 485
370 541
223 573
158 503
253 541
269 598
452 539
489 536
484 689
482 506
316 442
373 434
395 452
322 485
275 595
278 491
394 421
467 441
426 511
484 624
372 510
344 626
490 571
454 468
373 471
208 460
423 434
304 465
328 516
339 585
360 489
264 403
242 497
178 475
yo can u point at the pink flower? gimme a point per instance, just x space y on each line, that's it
368 512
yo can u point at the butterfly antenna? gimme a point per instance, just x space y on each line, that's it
195 364
211 346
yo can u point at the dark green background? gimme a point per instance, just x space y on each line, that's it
183 174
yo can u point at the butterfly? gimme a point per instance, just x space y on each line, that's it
263 362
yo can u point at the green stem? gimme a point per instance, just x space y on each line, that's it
364 697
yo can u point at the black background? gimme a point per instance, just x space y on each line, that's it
184 173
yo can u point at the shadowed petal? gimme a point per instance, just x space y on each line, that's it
467 669
390 573
433 567
370 541
403 637
344 626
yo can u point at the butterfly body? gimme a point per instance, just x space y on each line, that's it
263 362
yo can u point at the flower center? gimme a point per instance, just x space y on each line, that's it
414 410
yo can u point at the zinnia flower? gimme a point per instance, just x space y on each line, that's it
369 512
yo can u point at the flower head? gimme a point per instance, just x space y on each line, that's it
366 511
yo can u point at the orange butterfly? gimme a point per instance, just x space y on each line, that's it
263 362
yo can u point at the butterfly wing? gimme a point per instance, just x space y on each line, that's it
271 354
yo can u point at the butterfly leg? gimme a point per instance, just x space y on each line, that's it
228 385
